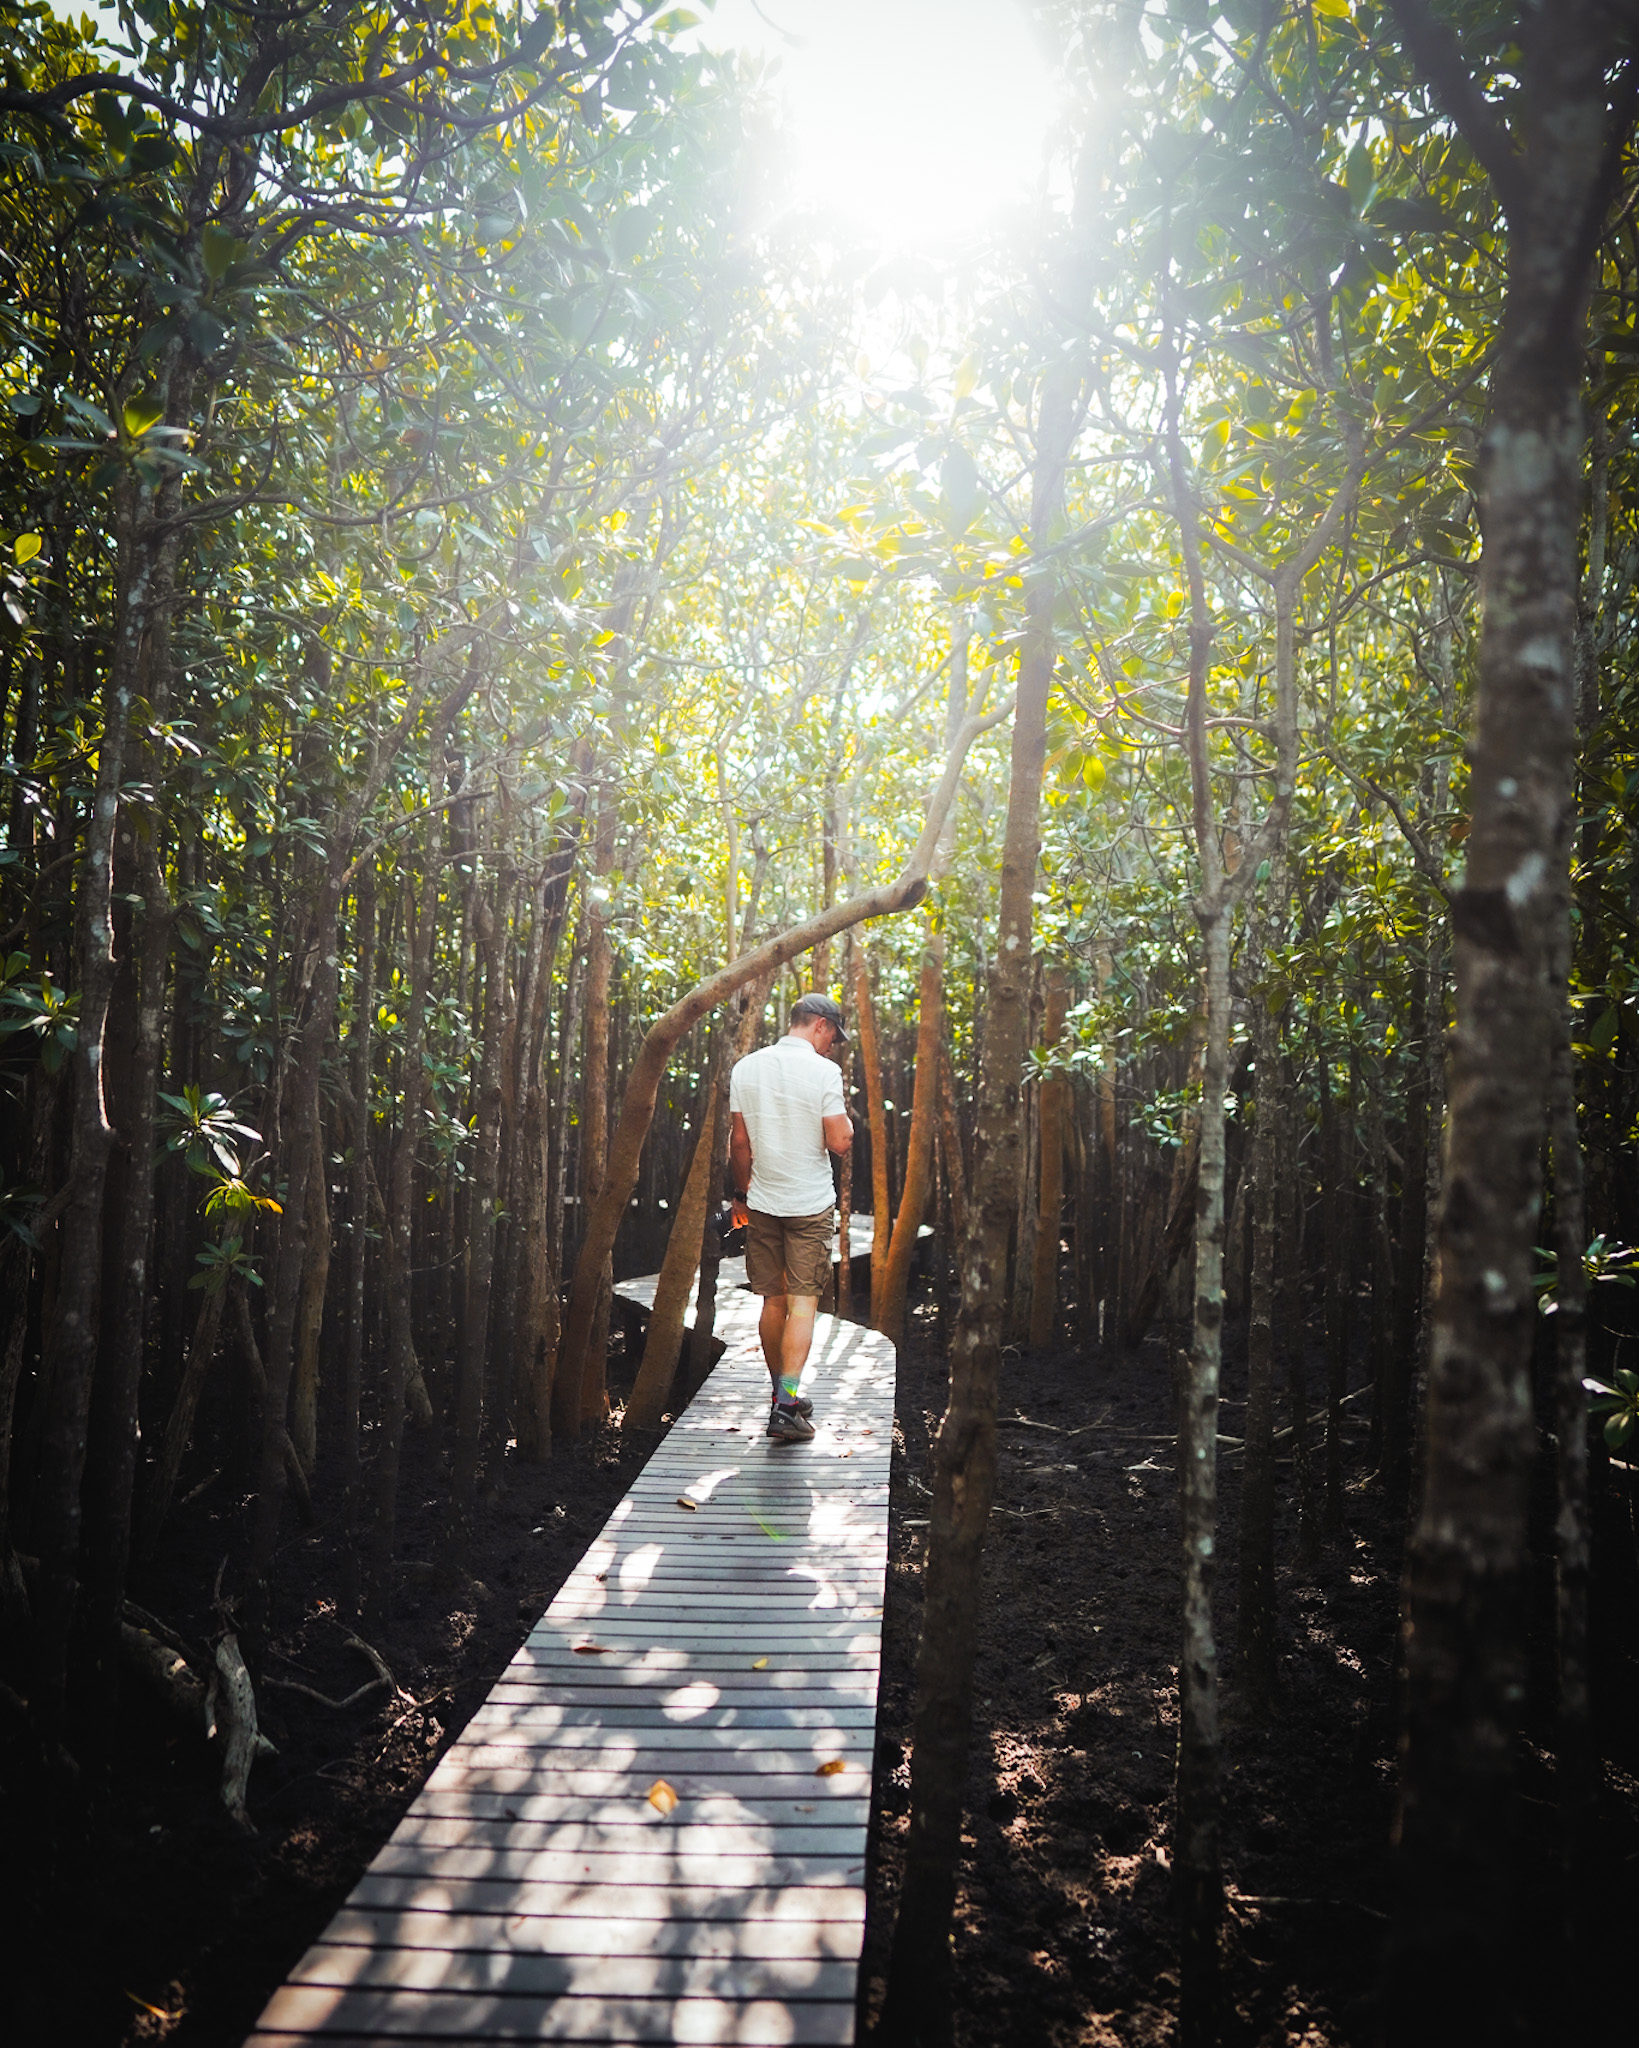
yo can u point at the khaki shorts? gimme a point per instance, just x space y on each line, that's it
789 1254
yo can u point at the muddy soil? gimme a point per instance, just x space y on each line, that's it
152 1919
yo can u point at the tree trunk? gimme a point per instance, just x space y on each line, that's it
1337 1153
398 1235
584 1398
358 1229
69 1362
1054 1102
115 1436
1577 1769
316 1014
469 1380
876 1122
1390 1382
304 1385
1453 1955
1255 1593
161 1485
664 1340
889 1311
950 1143
1290 1322
919 2000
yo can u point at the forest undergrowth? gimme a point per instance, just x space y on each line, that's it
170 1925
1065 1921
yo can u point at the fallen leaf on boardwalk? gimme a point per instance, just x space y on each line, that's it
831 1769
158 2011
593 1649
804 1809
683 1501
661 1796
760 1664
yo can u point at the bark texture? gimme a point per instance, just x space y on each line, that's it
1450 1964
919 2001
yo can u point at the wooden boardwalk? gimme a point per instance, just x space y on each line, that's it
654 1828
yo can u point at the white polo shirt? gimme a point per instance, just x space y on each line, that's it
785 1092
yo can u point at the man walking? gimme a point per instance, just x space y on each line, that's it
786 1114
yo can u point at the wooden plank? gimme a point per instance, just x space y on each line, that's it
683 1832
453 1933
822 1807
532 1973
401 2014
556 1721
532 1891
721 1869
782 1906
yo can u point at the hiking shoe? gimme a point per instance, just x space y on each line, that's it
789 1425
801 1403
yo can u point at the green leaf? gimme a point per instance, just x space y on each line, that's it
206 332
140 414
960 483
217 249
26 546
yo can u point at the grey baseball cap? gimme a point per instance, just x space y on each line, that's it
812 1005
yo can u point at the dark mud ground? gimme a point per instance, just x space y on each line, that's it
164 1924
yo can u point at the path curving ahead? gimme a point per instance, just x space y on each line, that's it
654 1828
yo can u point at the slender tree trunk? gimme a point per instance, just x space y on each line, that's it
586 1400
71 1345
1337 1154
161 1487
321 974
919 2002
520 1174
115 1437
358 1229
876 1122
950 1143
304 1385
1054 1108
663 1343
845 1178
398 1236
1389 1381
1577 1765
889 1314
1255 1601
469 1382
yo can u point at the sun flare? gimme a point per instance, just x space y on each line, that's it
911 122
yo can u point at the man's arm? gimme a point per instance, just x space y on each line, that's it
839 1136
739 1152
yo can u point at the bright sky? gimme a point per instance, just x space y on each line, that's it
914 120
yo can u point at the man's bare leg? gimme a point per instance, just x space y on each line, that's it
797 1340
790 1318
771 1329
